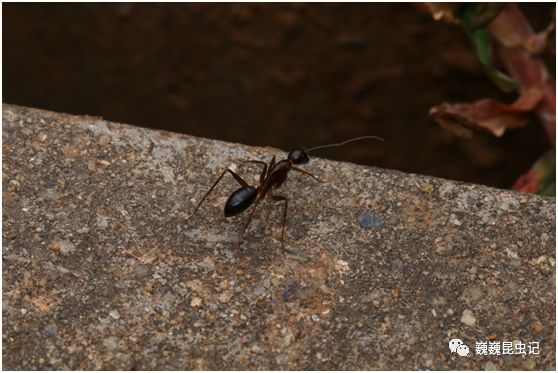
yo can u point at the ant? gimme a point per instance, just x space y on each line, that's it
272 176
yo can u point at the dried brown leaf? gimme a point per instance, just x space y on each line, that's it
512 30
537 43
487 114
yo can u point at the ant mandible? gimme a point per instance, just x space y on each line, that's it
273 175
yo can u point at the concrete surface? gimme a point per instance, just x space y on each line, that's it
383 270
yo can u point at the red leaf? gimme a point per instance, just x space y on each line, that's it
487 114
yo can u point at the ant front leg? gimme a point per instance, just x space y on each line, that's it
237 178
264 170
282 198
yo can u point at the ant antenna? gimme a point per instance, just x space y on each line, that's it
345 142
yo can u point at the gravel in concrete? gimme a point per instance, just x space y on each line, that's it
383 268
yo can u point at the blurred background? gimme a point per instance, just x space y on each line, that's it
281 75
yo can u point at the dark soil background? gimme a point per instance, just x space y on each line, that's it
270 74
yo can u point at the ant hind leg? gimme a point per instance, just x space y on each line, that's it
239 179
282 198
248 223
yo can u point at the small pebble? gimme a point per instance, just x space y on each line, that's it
289 291
288 336
369 220
529 364
224 285
91 165
114 314
224 297
102 221
50 330
52 194
102 162
63 314
454 220
375 294
439 301
342 266
472 294
63 247
62 269
490 366
399 265
196 302
111 343
256 349
104 140
140 269
195 285
324 289
468 318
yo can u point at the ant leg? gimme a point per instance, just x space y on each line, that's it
271 164
262 179
264 170
282 198
237 178
248 222
307 173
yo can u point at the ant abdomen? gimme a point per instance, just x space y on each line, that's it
240 200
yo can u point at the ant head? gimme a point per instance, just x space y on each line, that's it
298 156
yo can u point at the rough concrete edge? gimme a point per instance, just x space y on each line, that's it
89 122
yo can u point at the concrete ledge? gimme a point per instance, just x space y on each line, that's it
99 272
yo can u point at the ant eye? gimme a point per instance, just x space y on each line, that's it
298 156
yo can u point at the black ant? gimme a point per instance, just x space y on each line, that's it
273 175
